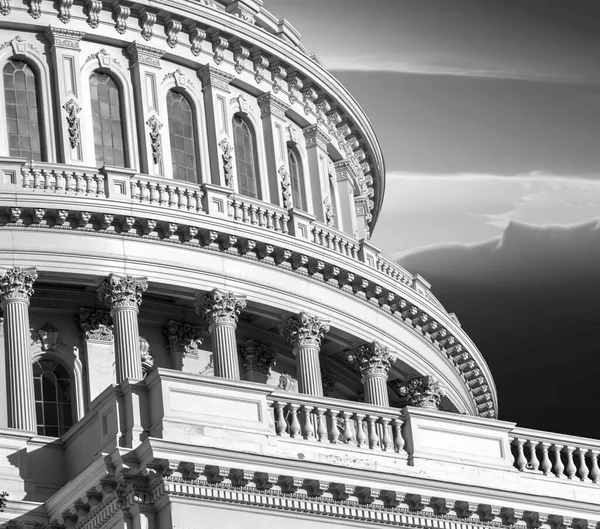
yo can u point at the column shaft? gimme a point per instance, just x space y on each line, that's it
225 355
376 390
128 361
19 371
309 370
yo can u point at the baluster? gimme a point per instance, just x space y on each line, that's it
571 469
285 218
336 244
280 423
558 464
153 193
309 431
546 465
398 437
181 198
59 181
361 438
261 218
354 251
373 437
521 460
163 196
321 424
315 235
79 183
47 175
534 462
294 423
334 431
348 437
25 174
143 191
36 179
388 442
100 184
89 184
69 182
199 204
245 214
237 211
269 216
595 470
253 216
190 201
583 470
276 221
172 197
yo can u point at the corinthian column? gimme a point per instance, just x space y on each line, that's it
305 332
123 295
221 310
16 287
372 362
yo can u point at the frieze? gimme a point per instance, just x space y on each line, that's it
63 38
142 54
315 135
213 77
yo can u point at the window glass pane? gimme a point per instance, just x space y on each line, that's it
245 157
21 105
53 396
297 180
181 135
108 125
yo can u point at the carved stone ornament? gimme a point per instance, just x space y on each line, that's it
74 128
64 10
147 21
96 324
286 187
63 38
371 359
121 15
93 9
183 338
227 158
219 306
214 78
48 337
172 29
122 292
329 215
197 36
219 45
155 139
240 55
303 329
287 383
35 8
328 380
260 64
4 7
146 356
17 283
422 392
257 357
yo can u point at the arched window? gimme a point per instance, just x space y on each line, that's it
183 139
53 403
297 179
245 158
106 117
22 112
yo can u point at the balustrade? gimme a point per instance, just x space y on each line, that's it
256 213
63 179
323 421
169 193
335 240
565 457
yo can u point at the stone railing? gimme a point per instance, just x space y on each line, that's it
335 240
158 191
336 422
63 179
257 213
548 454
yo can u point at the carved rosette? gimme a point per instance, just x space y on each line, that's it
304 329
95 324
371 359
422 392
17 284
257 357
183 338
219 306
119 292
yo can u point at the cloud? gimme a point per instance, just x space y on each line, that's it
530 299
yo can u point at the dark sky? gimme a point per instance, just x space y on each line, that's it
488 113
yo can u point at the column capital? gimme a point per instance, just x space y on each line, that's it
63 38
212 77
95 324
371 359
17 284
271 105
316 135
422 392
219 306
257 357
118 292
304 329
142 54
183 338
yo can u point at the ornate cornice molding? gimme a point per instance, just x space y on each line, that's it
95 324
303 329
17 284
219 306
118 292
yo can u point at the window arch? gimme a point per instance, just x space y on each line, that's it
246 158
297 179
182 137
107 120
53 397
22 110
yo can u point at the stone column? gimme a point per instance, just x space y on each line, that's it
317 138
123 295
421 392
16 288
221 310
305 333
372 362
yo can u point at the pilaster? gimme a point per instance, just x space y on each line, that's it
65 62
123 295
373 362
145 66
215 88
305 332
317 138
345 174
16 289
272 113
221 309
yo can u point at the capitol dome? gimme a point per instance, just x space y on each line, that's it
186 279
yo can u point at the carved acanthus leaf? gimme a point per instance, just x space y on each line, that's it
122 291
371 359
17 283
422 392
304 329
219 306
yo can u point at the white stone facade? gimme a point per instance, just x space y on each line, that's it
227 348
